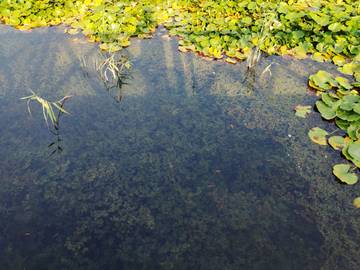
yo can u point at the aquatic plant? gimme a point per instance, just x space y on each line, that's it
117 215
47 106
211 28
340 103
148 205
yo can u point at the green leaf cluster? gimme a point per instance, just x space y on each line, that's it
341 103
212 28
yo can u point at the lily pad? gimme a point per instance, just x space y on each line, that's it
352 131
318 57
343 124
73 31
354 151
341 172
344 82
326 111
335 27
231 61
321 79
13 21
328 100
337 142
347 69
339 61
318 135
349 102
301 111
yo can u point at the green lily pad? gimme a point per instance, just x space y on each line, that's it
349 101
318 57
318 135
341 172
326 111
353 117
13 21
344 82
335 27
356 108
28 5
346 92
247 20
301 111
321 79
343 124
339 61
337 104
311 84
328 100
344 151
352 130
347 69
337 142
354 151
342 114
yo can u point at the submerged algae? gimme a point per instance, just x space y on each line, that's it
132 187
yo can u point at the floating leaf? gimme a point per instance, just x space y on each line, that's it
337 104
328 100
341 172
247 20
349 101
231 61
182 49
347 69
342 114
344 82
326 111
321 79
339 61
13 21
342 124
318 135
318 57
354 151
73 31
353 117
347 142
335 27
337 142
28 5
301 111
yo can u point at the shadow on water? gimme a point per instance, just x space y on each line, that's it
193 171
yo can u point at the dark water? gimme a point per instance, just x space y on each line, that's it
195 167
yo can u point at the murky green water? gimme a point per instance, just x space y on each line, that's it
195 167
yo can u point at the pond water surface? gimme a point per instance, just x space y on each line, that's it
183 164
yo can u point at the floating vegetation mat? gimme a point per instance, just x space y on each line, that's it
173 163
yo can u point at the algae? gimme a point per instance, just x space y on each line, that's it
216 174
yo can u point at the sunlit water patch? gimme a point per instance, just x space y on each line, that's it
185 164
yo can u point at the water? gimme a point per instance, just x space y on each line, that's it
194 168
